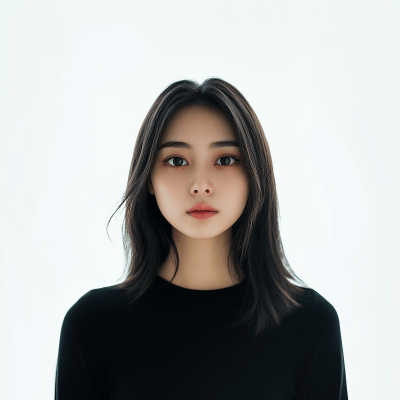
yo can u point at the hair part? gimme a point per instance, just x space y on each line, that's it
256 248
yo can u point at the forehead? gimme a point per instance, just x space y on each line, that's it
193 121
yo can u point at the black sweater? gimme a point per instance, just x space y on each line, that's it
175 343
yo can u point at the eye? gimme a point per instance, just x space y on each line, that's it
226 156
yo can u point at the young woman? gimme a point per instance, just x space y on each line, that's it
207 310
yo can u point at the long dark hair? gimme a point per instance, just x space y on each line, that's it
256 248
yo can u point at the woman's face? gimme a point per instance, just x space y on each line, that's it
199 174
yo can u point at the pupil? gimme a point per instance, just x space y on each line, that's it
180 162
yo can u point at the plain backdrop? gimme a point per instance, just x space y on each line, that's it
77 79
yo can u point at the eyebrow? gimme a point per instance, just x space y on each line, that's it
212 145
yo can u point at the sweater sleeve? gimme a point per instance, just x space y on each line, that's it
321 369
72 380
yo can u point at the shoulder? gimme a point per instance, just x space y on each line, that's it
321 320
323 314
320 365
97 298
93 308
316 306
109 297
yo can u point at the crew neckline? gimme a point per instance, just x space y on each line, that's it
199 292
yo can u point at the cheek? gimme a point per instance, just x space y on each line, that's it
170 186
236 190
235 184
169 192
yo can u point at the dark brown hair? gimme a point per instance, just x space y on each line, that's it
256 248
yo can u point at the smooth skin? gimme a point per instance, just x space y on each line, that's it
199 175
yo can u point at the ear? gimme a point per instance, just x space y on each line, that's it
150 186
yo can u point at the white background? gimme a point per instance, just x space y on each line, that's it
77 79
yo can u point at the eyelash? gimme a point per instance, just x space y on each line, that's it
165 161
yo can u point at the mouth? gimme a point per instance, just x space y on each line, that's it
202 214
202 207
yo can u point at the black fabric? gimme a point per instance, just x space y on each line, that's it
177 343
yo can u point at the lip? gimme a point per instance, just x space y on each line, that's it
202 214
202 207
